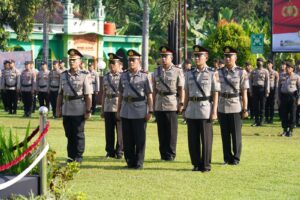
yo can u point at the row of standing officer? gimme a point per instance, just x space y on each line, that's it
28 83
135 107
14 83
266 85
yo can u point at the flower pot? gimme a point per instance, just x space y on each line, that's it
26 186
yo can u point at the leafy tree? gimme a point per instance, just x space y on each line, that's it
231 34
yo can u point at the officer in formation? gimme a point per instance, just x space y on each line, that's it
270 101
135 109
234 82
10 85
282 77
74 103
110 99
248 69
35 71
200 84
54 82
27 85
96 85
168 81
62 65
259 90
288 91
3 92
42 85
297 71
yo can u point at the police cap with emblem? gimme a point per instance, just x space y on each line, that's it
229 50
165 50
259 60
44 63
74 52
270 61
113 56
61 61
28 62
289 64
55 62
133 54
199 50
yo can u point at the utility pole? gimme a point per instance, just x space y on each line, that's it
179 31
185 29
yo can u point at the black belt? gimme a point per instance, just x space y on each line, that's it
70 98
228 95
52 86
94 83
9 86
111 96
26 85
42 86
130 99
195 99
161 93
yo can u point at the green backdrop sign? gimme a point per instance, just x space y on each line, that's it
257 43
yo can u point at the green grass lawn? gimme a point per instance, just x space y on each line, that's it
269 167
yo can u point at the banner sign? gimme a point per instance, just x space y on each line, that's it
286 26
257 43
18 56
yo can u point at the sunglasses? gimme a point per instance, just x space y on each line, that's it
73 59
112 62
198 55
228 55
132 59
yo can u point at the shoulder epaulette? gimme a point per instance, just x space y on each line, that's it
84 72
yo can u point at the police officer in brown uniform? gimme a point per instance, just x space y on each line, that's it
288 91
54 82
135 108
5 70
11 81
297 71
42 85
110 95
27 86
270 101
259 90
62 65
200 84
282 78
168 81
74 103
234 82
96 85
248 69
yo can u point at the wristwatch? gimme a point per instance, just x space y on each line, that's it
244 110
181 104
150 112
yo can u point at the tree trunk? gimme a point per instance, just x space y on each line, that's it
145 43
45 39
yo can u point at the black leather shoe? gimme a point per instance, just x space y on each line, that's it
138 167
255 124
205 170
69 160
235 162
118 156
196 168
109 155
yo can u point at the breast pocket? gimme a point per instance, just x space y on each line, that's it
171 81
